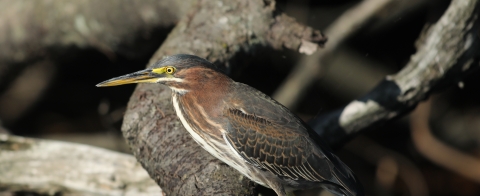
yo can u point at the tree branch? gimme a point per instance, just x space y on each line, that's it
437 151
218 31
49 167
31 31
309 67
446 52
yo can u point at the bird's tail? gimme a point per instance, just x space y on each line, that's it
345 182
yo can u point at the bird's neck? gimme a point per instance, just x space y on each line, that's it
207 92
203 104
201 112
210 100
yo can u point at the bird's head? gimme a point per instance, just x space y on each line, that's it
180 72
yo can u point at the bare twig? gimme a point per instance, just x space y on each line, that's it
308 67
438 152
407 171
25 90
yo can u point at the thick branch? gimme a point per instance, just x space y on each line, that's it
32 30
446 53
217 30
49 167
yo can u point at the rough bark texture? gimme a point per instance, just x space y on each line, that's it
446 52
216 30
220 30
48 167
30 31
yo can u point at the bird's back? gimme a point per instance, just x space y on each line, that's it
270 137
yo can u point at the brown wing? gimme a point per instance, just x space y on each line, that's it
269 136
273 147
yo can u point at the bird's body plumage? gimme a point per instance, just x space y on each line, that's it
251 132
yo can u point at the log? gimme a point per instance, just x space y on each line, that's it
50 167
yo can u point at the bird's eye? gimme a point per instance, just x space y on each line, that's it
169 70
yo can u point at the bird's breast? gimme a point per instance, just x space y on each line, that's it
209 134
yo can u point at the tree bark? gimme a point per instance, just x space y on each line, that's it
218 31
48 167
446 53
222 30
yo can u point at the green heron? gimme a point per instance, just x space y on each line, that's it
245 128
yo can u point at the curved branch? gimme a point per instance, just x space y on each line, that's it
446 52
437 151
407 171
309 67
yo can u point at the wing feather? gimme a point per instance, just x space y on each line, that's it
270 147
268 136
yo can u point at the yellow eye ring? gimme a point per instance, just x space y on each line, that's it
169 70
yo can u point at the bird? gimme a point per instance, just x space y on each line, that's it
245 128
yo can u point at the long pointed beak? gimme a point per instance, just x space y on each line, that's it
144 76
